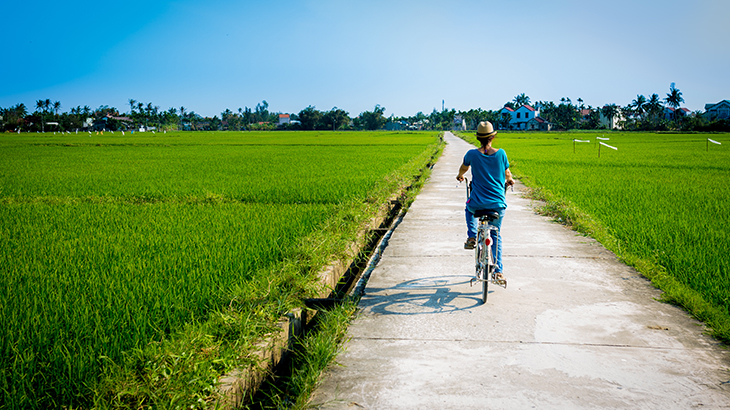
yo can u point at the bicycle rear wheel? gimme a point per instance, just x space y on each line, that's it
483 258
485 285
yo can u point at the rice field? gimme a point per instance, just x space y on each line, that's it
109 243
660 201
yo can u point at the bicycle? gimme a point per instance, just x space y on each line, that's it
484 260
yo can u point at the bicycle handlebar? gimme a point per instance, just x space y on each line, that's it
468 187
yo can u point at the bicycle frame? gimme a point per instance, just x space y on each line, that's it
484 258
484 240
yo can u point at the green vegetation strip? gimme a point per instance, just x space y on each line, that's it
136 271
315 351
661 202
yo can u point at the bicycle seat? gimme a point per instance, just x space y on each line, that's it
490 214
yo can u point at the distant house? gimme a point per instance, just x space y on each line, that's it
670 113
718 111
124 119
613 123
522 116
108 122
525 118
539 124
507 111
459 123
284 119
396 125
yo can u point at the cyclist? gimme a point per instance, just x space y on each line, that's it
490 177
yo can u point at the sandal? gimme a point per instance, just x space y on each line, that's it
470 243
500 280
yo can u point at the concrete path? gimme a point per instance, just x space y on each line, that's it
575 329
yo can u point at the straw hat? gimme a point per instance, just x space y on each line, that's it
485 130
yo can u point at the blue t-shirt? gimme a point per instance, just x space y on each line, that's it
487 171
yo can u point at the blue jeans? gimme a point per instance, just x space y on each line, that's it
471 231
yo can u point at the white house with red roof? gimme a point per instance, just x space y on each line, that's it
525 118
284 119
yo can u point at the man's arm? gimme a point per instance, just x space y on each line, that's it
462 170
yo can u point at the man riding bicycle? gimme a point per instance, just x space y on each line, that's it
490 176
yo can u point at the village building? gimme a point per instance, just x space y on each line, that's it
284 119
718 111
613 123
539 124
396 125
525 118
670 114
507 111
459 123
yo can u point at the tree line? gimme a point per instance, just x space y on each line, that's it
640 114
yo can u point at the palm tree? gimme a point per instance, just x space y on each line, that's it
182 117
147 112
156 115
610 111
20 110
193 120
170 115
39 104
56 107
639 105
132 103
674 99
47 105
653 106
521 100
13 116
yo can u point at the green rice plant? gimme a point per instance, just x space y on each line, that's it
135 270
95 280
334 170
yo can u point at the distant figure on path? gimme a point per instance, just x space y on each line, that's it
490 178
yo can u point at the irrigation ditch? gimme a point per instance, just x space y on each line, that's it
344 280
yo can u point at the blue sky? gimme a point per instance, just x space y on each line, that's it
407 56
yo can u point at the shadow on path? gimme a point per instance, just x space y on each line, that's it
423 296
